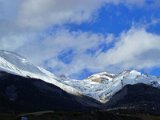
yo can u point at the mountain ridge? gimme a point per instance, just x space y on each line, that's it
101 86
22 94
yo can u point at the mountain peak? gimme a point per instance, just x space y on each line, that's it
101 77
136 73
130 72
106 74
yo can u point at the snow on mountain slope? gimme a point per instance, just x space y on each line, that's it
15 64
103 86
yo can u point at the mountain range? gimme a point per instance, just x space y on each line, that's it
25 87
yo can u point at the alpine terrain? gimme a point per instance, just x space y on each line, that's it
27 88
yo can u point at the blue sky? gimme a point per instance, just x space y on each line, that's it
117 18
83 37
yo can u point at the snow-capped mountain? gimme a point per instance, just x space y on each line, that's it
101 86
16 64
101 77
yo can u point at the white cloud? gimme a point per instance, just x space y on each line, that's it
12 42
38 14
42 13
49 48
135 49
21 21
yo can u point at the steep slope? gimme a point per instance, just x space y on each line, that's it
21 94
16 64
137 98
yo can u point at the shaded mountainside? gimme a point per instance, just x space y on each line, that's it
20 94
137 98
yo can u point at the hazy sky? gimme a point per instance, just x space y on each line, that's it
81 37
